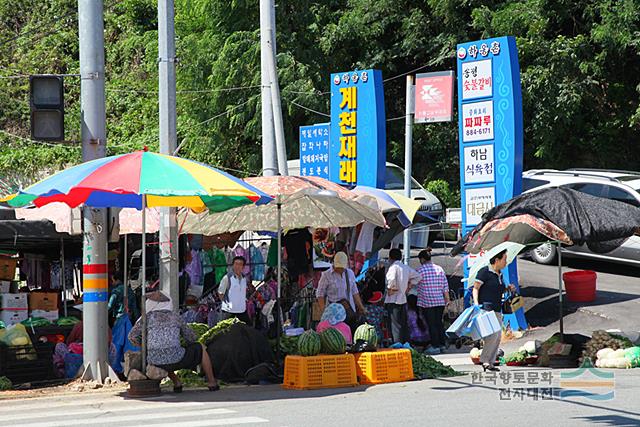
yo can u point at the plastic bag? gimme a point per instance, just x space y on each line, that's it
72 364
121 343
15 336
632 355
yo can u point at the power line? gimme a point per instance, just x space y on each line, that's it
227 89
308 109
405 74
32 141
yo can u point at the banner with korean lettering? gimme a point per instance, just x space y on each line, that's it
314 150
490 132
357 151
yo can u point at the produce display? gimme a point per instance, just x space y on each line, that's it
220 328
188 378
67 321
309 343
426 367
5 384
332 342
601 340
619 359
516 358
366 332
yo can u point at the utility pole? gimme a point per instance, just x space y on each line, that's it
408 157
168 144
272 73
94 141
269 161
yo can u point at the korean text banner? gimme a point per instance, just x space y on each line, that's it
357 152
314 150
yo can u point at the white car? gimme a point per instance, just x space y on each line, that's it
623 186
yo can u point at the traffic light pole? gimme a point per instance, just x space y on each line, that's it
94 140
168 144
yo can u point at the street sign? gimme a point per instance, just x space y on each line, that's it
314 150
434 97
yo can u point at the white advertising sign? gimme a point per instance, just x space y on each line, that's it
477 121
479 164
477 202
477 81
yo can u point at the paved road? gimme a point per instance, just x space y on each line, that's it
434 402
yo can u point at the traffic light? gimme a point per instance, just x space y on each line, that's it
47 107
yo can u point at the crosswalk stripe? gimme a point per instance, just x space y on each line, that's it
96 404
216 422
107 419
110 410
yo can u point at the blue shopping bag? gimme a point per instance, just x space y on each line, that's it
120 339
486 323
464 323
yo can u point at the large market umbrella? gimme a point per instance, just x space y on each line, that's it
570 217
139 180
308 207
391 202
280 185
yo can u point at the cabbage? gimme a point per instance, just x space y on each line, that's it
603 354
475 353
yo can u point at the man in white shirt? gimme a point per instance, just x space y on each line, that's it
233 292
400 279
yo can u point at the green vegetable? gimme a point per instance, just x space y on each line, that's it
427 367
67 321
35 322
288 345
220 328
5 384
625 342
188 378
198 328
2 325
517 356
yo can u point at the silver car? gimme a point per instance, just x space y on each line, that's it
623 186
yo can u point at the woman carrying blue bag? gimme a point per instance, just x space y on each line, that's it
487 293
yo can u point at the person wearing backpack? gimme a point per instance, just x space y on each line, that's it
233 292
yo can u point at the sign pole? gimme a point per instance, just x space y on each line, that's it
408 157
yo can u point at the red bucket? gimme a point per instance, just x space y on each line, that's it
580 285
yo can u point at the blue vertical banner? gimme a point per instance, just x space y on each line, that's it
490 133
358 147
314 150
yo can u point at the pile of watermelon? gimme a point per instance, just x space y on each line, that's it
366 333
309 343
332 342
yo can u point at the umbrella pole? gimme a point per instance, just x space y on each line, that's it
63 278
125 278
560 292
143 279
278 326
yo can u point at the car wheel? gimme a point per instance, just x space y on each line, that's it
544 254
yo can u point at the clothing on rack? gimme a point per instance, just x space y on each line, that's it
194 268
257 263
56 274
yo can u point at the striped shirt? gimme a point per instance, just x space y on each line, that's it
433 285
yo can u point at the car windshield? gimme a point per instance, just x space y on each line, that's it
395 179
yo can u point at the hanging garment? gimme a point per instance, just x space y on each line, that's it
207 266
257 263
228 253
365 238
219 260
272 254
194 268
264 250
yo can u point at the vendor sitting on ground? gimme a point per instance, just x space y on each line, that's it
164 328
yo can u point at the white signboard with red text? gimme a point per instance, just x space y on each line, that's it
477 121
434 97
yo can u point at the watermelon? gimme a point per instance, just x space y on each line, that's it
332 342
366 332
309 343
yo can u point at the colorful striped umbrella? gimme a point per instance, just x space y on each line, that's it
128 180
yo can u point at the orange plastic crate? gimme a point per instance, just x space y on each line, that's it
324 371
384 366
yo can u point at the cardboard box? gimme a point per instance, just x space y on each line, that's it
51 316
47 301
8 268
14 301
13 317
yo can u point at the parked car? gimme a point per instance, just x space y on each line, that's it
623 186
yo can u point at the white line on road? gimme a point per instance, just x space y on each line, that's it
90 404
106 419
218 422
113 410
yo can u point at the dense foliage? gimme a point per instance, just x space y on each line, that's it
579 61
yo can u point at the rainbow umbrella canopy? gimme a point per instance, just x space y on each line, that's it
141 179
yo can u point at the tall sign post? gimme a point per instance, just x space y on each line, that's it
94 142
490 135
357 148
